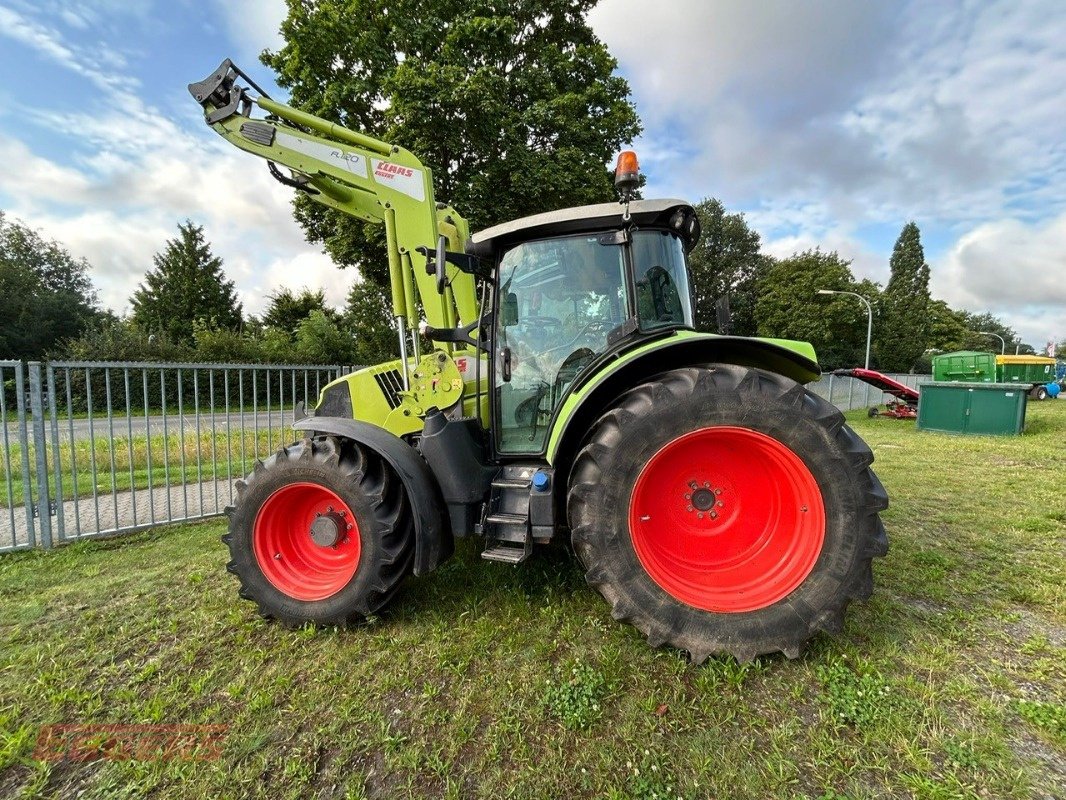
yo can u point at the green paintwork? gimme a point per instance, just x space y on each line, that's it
435 381
376 182
1025 369
991 409
965 365
571 403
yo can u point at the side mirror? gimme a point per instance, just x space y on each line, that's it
509 310
442 260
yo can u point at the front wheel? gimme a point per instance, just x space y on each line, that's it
726 510
321 532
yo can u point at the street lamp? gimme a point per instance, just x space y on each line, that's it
869 318
1002 343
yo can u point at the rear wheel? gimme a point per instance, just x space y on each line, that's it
1040 393
320 533
726 510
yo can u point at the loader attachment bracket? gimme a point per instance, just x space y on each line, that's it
219 89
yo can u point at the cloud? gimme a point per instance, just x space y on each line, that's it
138 176
133 173
883 111
50 44
253 24
823 120
1008 264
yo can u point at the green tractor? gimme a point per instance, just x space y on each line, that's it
715 503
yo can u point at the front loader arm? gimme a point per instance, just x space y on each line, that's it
358 175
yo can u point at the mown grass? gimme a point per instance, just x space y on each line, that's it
123 462
490 681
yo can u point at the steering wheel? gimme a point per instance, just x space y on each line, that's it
593 325
539 322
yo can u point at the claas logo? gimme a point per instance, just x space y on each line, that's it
387 170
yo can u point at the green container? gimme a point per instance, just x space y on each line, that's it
991 409
965 365
1026 369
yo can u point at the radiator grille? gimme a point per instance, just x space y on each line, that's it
391 384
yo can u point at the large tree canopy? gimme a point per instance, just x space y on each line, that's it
726 264
186 286
514 106
790 307
45 293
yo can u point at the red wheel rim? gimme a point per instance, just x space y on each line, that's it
290 557
727 519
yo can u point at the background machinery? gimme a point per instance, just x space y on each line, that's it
715 503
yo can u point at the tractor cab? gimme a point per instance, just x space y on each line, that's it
574 286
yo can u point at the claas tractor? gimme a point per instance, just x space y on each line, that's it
550 390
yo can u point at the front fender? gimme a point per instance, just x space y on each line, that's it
433 537
588 400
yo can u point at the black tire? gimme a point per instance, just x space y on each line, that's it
679 402
873 412
377 500
1040 393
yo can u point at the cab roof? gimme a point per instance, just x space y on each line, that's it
490 241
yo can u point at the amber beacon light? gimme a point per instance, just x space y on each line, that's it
626 173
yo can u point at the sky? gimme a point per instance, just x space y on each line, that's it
828 124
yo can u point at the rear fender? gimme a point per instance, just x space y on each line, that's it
433 537
588 401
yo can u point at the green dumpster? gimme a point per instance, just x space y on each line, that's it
964 365
994 409
1025 369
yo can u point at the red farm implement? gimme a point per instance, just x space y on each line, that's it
905 404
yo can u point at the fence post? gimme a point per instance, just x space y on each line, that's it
24 446
57 448
44 504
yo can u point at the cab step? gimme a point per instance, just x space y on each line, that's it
507 554
508 538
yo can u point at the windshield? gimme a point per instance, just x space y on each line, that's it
559 298
662 280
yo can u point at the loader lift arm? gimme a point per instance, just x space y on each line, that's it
358 175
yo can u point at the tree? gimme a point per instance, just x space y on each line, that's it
514 106
948 330
46 296
990 323
287 310
368 317
904 333
789 306
320 341
726 263
186 286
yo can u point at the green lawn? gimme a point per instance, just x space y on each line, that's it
490 681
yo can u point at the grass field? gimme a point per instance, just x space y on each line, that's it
490 681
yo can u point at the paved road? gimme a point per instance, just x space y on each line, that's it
121 510
275 420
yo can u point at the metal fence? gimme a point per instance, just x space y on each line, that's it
96 448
